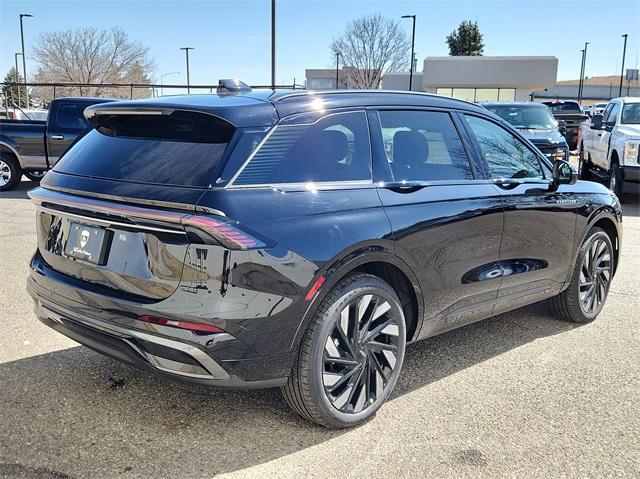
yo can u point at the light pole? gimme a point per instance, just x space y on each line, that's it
273 44
582 72
337 68
161 77
186 51
413 38
15 55
24 62
624 52
580 76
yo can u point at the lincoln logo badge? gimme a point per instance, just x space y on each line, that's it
84 238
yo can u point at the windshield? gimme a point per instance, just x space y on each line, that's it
631 114
525 118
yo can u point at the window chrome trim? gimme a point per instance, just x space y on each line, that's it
310 185
323 185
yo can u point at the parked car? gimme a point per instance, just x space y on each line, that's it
610 145
597 109
262 238
31 147
536 123
570 112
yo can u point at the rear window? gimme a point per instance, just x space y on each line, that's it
181 149
564 107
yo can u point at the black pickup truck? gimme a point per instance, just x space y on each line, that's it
570 112
32 147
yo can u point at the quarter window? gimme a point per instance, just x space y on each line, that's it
506 155
334 148
423 146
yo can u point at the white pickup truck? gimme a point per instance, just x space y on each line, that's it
609 146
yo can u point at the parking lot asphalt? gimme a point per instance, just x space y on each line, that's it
519 395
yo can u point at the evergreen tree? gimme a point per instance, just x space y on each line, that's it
11 91
466 40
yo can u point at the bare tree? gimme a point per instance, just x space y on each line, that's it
371 46
91 55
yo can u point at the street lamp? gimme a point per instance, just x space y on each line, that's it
337 68
582 72
162 76
186 51
624 52
273 44
413 38
15 55
24 62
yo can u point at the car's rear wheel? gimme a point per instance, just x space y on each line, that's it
351 354
9 172
583 300
583 165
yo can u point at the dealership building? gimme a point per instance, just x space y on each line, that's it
475 78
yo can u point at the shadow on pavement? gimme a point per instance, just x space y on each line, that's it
631 205
84 415
20 191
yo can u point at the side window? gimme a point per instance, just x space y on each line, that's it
505 154
334 148
612 114
71 117
423 146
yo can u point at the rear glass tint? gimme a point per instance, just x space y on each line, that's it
181 149
334 148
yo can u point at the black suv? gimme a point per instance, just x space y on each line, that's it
300 239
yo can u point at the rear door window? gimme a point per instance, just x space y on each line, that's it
181 149
423 146
71 117
333 148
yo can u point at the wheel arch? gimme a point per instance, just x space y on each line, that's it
379 262
7 147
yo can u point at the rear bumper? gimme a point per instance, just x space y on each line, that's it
159 349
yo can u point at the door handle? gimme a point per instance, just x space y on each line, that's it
57 137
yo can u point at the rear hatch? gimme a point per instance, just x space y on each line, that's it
118 211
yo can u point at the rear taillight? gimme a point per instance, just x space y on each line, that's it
225 232
203 328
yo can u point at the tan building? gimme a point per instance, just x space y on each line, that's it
478 78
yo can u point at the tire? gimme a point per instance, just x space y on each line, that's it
615 183
583 165
322 387
35 175
10 172
569 304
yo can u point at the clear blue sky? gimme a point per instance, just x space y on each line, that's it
232 38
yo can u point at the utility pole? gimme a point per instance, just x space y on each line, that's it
624 52
582 72
186 51
161 78
337 68
413 39
15 55
273 44
24 62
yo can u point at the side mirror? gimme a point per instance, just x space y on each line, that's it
562 127
596 122
563 174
